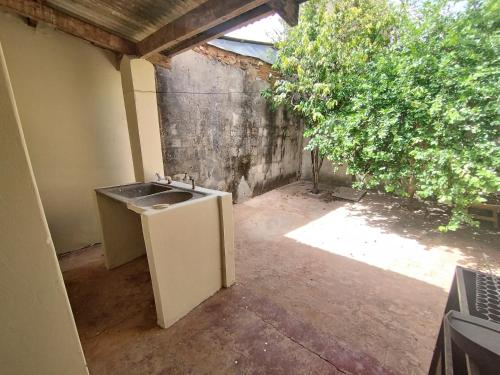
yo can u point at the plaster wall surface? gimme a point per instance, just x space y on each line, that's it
216 126
37 330
70 101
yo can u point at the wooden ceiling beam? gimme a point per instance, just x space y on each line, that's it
219 30
160 60
200 19
208 21
37 11
287 9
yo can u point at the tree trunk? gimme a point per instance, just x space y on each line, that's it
316 162
411 190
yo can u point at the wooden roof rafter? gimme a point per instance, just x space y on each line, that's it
219 30
204 20
38 11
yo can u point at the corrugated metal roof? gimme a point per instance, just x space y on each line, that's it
260 50
131 19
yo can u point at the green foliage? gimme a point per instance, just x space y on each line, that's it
407 99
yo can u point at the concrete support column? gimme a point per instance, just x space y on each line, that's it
139 94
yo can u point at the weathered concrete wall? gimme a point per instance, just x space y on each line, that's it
216 126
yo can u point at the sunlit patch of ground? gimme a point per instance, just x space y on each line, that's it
355 238
374 275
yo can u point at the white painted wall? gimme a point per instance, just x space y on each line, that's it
70 101
37 330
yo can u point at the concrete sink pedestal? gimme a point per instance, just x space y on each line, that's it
187 234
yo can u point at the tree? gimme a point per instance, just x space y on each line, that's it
320 60
408 100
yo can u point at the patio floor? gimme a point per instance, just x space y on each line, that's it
323 287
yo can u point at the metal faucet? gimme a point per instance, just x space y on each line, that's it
187 178
166 178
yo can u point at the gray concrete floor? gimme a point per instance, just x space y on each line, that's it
323 287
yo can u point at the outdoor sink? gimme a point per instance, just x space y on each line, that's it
166 198
186 233
137 190
149 195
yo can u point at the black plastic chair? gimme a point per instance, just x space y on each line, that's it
473 341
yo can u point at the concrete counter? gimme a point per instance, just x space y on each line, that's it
189 246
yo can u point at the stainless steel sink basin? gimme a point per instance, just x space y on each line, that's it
149 194
169 197
138 190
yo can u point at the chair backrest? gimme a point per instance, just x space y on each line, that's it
479 339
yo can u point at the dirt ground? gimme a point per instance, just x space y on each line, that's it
323 287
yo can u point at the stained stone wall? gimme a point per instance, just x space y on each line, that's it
216 126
